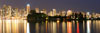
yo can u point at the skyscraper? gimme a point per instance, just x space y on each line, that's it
0 12
37 10
54 12
15 12
4 11
63 13
9 11
28 8
50 13
69 12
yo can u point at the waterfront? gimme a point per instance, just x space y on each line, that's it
22 26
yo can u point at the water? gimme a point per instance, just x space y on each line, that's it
13 26
22 26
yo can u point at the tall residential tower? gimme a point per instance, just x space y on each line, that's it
28 8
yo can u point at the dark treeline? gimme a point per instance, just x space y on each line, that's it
33 16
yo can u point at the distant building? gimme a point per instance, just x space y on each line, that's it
44 11
93 15
0 12
50 13
6 11
9 11
54 12
37 10
15 12
63 13
22 12
88 15
69 12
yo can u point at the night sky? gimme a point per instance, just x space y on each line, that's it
75 5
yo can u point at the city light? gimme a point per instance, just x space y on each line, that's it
8 12
49 16
69 12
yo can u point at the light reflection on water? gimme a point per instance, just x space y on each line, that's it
63 27
22 26
69 27
28 28
54 27
13 26
88 26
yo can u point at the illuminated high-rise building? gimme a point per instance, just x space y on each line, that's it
93 15
54 12
37 10
28 8
0 12
44 11
87 15
69 12
4 11
83 14
9 11
15 12
22 12
50 13
63 13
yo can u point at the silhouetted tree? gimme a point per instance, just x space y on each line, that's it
32 11
33 16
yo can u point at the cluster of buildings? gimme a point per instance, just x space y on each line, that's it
8 12
69 13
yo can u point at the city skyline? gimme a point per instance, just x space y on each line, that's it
9 12
76 5
49 16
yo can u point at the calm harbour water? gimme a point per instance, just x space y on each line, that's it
22 26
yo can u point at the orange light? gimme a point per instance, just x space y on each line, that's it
69 27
